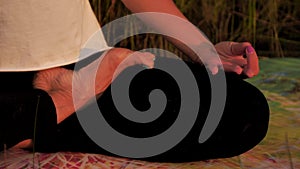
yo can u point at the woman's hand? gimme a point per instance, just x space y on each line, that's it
233 60
59 82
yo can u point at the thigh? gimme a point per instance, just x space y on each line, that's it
12 81
243 124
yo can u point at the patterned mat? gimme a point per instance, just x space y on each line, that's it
279 81
16 158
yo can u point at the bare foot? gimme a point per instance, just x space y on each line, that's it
58 82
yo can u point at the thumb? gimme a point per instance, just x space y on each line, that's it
252 67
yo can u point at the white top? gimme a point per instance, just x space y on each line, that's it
41 34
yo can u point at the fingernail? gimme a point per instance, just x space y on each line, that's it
238 70
250 74
250 50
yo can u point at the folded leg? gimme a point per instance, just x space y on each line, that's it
243 125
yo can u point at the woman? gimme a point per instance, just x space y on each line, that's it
42 115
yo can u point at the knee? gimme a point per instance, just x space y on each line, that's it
256 117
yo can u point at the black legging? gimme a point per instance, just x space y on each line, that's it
243 125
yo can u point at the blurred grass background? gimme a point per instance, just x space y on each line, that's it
272 26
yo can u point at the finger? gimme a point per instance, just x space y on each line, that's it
239 48
142 58
252 68
147 59
241 61
138 58
213 68
224 48
230 67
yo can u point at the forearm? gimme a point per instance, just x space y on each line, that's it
161 6
173 24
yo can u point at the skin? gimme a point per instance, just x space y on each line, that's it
57 82
232 56
229 61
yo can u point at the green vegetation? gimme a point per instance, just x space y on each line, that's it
279 80
272 26
281 76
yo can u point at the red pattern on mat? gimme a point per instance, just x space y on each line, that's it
16 158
